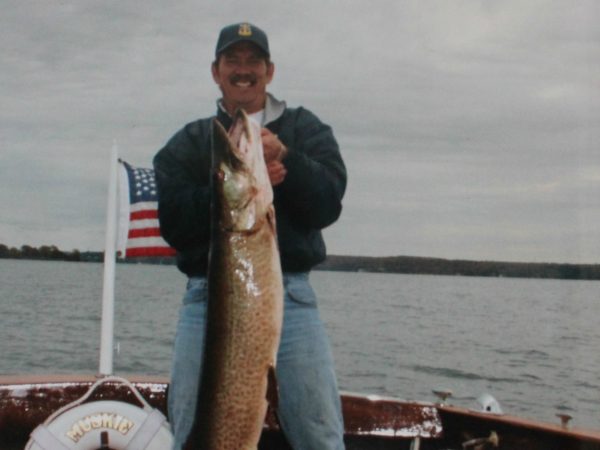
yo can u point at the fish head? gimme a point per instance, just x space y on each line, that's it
242 192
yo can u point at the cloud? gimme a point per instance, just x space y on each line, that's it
469 129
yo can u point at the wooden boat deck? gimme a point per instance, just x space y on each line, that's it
371 422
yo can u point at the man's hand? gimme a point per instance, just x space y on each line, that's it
274 152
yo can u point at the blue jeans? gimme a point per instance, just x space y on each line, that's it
309 403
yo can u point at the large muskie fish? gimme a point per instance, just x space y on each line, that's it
245 307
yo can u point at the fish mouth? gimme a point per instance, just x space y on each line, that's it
233 177
240 127
226 144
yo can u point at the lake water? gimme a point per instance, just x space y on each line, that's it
533 344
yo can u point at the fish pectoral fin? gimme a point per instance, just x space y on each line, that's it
272 388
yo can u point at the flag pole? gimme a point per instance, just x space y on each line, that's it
108 289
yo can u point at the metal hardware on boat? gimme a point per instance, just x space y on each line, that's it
442 395
487 403
415 444
564 419
492 439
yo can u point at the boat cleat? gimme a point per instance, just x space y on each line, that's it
442 394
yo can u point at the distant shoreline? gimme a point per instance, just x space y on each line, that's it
389 264
440 266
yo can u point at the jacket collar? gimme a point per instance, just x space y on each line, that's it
273 109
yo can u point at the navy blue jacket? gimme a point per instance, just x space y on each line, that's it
308 200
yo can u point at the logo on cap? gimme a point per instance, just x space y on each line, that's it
245 30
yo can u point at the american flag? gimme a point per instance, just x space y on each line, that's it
139 232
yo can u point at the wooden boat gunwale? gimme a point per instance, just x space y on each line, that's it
372 421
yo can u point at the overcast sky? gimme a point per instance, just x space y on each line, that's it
470 129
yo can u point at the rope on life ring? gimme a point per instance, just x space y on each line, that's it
103 424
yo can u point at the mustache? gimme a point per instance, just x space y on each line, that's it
242 78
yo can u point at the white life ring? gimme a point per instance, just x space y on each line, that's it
118 425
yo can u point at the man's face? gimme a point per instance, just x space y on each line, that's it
243 73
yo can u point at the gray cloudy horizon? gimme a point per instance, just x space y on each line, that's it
470 129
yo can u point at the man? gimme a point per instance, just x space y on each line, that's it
309 179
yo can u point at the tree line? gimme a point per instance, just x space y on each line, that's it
439 266
45 252
390 264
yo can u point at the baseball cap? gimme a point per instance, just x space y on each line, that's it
239 32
